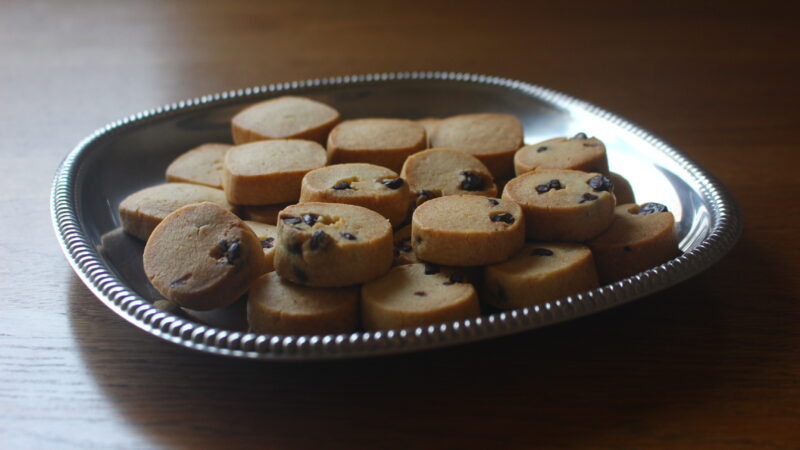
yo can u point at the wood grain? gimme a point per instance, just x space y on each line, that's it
712 362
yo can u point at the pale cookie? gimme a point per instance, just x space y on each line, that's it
332 244
367 185
563 205
641 237
622 189
203 257
539 273
267 235
438 172
200 165
492 138
263 213
143 210
467 230
385 142
269 172
417 295
277 306
285 117
576 153
429 123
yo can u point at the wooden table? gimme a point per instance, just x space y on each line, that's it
714 362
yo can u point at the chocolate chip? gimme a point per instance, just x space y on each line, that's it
295 248
420 293
587 197
268 242
542 252
504 217
393 183
601 183
493 202
541 149
424 196
234 250
552 184
342 185
405 244
299 274
319 240
291 220
310 219
419 240
580 135
406 248
349 236
651 208
431 269
455 277
180 281
472 181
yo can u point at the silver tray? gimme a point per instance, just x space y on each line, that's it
132 153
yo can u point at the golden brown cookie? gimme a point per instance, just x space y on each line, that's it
263 213
200 165
203 257
362 184
563 205
414 295
576 153
332 244
492 138
385 142
438 172
622 189
467 230
539 273
429 123
286 117
641 237
277 306
143 210
267 235
269 172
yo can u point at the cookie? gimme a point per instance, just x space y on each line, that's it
362 184
622 189
576 153
429 123
263 213
267 235
332 244
201 165
403 251
416 295
385 142
143 210
539 273
269 172
467 230
563 205
492 138
277 306
203 257
286 117
641 237
438 172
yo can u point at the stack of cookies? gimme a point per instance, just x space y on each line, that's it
331 226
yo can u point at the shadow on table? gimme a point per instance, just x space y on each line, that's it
614 374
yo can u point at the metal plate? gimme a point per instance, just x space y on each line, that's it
133 153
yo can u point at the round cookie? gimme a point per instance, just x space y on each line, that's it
267 235
563 205
143 210
641 237
539 273
263 213
429 123
332 244
277 306
622 189
203 257
403 251
362 184
385 142
467 230
286 117
492 138
438 172
200 165
414 295
269 172
576 153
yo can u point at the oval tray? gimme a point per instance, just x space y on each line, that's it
133 153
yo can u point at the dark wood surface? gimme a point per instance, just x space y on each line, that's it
713 362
